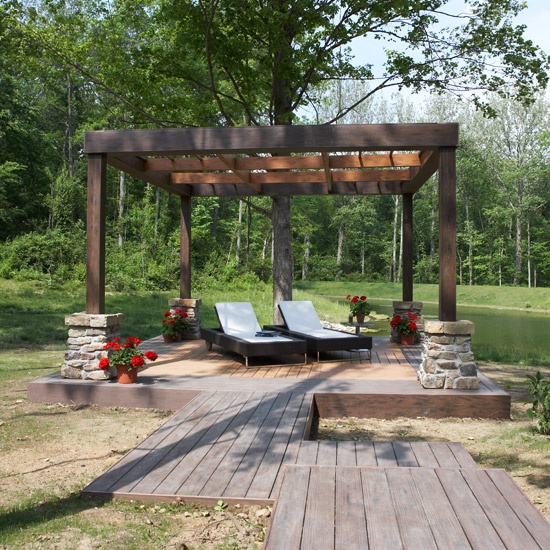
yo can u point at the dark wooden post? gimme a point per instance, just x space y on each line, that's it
185 247
447 234
407 230
95 234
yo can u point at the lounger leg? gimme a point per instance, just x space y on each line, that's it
208 346
246 361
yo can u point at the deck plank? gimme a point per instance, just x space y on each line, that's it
139 462
365 454
350 529
383 530
412 521
263 483
537 526
443 521
404 454
318 530
244 476
346 453
221 477
503 518
478 528
287 524
219 450
385 454
166 476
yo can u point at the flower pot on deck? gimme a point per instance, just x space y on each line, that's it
125 376
407 339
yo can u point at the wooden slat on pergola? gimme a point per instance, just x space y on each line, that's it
373 159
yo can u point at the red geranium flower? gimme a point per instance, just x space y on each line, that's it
138 361
126 354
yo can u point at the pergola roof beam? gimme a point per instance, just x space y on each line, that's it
273 139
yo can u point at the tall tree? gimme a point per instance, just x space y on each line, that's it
241 62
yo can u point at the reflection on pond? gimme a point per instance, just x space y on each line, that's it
500 334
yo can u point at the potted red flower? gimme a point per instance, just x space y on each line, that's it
406 326
126 357
358 307
174 325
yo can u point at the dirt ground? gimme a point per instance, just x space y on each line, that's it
54 450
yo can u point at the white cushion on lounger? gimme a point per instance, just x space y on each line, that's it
238 319
300 316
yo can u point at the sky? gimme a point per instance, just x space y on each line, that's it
536 17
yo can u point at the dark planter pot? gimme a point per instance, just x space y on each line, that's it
407 339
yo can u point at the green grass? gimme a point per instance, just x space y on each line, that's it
486 296
32 316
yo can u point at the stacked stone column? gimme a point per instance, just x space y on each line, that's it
402 308
192 306
447 357
87 335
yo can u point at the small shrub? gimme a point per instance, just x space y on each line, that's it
539 388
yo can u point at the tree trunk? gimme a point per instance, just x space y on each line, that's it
528 254
341 235
282 254
239 233
121 206
393 269
519 251
305 261
157 211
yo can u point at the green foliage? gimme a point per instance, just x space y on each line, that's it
55 254
539 388
220 506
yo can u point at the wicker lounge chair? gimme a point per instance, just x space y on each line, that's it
301 321
241 333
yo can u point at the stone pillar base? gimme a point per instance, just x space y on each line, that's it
402 308
87 336
447 357
192 306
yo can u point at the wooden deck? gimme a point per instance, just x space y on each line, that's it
327 508
384 386
242 435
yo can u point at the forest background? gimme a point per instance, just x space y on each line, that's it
70 67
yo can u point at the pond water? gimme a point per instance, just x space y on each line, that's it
500 334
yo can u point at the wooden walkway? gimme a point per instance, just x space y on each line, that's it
233 446
252 448
328 508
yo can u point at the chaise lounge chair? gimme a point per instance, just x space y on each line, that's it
241 333
301 321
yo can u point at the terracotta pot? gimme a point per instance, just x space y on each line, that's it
407 339
125 376
168 338
360 317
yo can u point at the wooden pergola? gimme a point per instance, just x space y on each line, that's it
373 159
